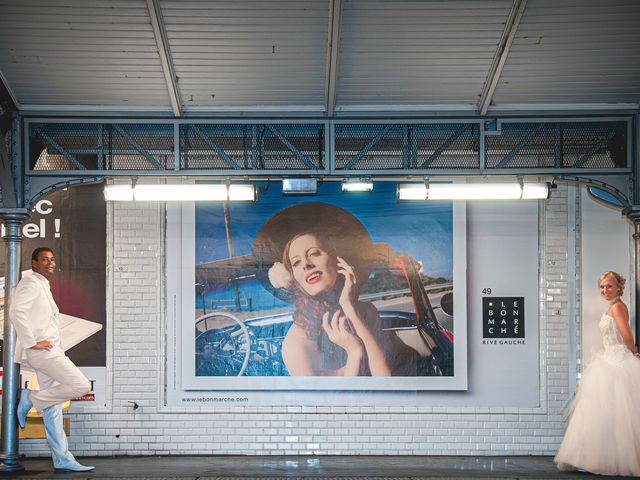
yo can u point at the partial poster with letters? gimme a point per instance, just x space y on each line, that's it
72 222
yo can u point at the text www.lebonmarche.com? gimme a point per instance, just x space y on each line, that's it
215 399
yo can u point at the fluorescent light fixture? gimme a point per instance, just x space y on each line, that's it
299 186
173 193
473 191
242 193
412 191
118 193
179 192
535 191
357 185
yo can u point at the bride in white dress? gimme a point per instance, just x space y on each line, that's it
603 435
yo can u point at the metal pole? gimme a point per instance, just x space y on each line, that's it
633 214
636 244
9 456
635 184
227 224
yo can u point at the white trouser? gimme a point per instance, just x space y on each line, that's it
59 379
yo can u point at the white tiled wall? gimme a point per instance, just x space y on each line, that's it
135 321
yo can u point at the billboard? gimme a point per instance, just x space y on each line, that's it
331 292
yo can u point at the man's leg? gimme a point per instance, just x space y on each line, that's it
68 381
63 460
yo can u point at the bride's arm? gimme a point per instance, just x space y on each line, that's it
621 316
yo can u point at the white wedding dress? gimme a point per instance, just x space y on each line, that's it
603 435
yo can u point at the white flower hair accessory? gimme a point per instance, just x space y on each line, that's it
279 276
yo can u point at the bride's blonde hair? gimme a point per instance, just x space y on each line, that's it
617 278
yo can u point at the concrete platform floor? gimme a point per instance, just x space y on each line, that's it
292 467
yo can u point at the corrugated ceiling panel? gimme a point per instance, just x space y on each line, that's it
574 52
417 52
81 52
248 54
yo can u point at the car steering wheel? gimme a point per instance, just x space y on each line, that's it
245 334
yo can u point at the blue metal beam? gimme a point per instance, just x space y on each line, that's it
557 148
7 187
406 158
254 146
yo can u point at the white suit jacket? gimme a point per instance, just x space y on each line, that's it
34 314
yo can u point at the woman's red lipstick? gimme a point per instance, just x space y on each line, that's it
313 277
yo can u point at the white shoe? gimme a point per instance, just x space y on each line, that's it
24 405
73 467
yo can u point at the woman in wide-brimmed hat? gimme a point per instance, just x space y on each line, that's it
320 255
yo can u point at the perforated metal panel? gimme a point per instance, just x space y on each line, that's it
252 146
139 146
592 145
523 145
447 146
410 146
82 146
292 147
71 146
371 147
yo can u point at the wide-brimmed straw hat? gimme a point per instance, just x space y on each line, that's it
333 225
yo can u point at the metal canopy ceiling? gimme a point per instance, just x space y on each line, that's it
320 57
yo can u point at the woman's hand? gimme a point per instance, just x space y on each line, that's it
340 332
348 294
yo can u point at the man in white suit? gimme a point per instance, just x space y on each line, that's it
34 315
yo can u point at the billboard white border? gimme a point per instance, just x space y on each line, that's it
180 274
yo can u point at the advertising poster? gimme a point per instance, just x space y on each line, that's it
72 222
334 291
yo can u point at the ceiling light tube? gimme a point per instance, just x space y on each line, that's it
180 192
242 193
535 191
474 191
118 193
412 191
